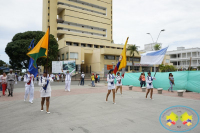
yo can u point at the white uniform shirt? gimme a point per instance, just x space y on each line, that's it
82 75
43 82
29 80
149 81
110 80
68 76
119 80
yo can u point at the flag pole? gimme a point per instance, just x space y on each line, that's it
47 51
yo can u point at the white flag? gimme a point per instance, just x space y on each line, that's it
153 57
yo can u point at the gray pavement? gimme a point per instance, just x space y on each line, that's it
88 112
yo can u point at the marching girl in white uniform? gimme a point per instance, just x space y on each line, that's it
68 80
119 82
45 91
29 87
111 85
149 81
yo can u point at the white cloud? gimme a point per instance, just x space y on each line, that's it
136 18
133 18
18 16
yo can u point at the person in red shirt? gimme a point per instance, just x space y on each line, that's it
143 80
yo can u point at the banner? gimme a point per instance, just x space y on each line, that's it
183 80
58 66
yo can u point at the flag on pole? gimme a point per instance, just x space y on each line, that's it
31 68
41 49
153 57
122 59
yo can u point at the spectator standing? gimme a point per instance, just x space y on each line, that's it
143 81
82 78
98 78
171 82
93 79
4 83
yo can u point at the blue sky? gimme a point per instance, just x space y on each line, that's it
133 18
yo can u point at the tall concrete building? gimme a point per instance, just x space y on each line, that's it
84 31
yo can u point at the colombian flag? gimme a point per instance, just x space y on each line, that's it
122 59
41 49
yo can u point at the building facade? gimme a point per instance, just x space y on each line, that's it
181 57
84 32
150 46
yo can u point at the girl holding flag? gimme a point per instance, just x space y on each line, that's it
149 82
29 86
45 91
111 85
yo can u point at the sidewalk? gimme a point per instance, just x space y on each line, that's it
84 110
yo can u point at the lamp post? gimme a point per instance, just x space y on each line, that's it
155 42
152 40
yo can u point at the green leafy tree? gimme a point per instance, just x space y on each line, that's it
198 67
157 46
18 48
167 68
2 62
133 49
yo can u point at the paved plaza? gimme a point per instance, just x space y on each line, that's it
84 110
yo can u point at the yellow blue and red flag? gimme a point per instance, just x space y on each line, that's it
122 59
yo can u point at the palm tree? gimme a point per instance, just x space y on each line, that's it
132 49
157 46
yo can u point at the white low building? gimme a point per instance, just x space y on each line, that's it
181 57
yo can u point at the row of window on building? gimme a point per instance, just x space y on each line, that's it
112 57
73 55
89 45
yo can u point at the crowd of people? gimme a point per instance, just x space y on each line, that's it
7 82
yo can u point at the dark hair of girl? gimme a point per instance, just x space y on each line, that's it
170 74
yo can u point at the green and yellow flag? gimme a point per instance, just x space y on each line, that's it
41 49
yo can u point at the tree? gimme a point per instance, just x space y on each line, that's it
2 62
133 49
18 48
198 67
157 46
167 68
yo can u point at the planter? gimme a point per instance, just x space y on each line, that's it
130 87
143 89
180 93
160 90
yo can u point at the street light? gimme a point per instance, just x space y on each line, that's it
159 34
151 37
155 42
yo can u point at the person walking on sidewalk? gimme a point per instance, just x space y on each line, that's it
11 80
149 81
29 87
111 85
82 78
45 91
68 80
171 82
4 83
